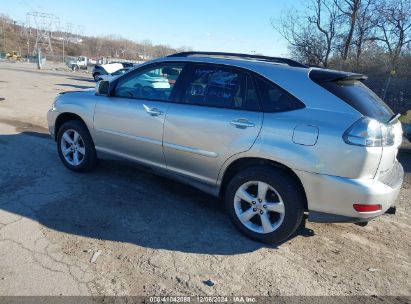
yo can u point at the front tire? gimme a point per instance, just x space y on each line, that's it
76 147
265 204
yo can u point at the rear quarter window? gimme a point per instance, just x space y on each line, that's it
355 93
276 99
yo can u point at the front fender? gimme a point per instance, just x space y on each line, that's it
80 103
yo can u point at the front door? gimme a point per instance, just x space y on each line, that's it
130 122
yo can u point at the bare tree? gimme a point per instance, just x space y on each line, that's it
364 28
304 43
310 36
324 18
394 27
349 10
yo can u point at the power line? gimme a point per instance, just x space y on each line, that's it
43 26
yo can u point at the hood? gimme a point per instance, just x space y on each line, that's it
112 67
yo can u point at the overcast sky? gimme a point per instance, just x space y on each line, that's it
212 25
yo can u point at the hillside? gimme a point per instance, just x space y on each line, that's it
15 37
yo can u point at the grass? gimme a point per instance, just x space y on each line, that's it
406 118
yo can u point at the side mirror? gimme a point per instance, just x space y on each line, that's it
103 87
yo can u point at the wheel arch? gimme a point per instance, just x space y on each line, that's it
242 163
63 118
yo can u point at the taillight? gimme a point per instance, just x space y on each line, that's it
368 132
366 208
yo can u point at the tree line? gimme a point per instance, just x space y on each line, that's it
365 36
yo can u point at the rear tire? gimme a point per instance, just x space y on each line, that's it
76 147
265 204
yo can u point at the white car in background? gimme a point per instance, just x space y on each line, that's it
111 76
104 69
154 81
145 81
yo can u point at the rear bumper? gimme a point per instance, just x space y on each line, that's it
331 198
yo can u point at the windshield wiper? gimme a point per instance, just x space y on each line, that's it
394 118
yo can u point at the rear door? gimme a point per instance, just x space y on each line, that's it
218 115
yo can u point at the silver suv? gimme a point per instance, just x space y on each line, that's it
272 137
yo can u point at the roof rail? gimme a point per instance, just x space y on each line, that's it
287 61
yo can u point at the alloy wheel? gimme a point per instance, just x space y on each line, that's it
72 147
259 207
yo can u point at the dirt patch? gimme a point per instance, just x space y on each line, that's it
25 127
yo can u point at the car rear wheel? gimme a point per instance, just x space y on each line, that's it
76 147
265 204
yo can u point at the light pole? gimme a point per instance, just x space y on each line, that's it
62 40
39 63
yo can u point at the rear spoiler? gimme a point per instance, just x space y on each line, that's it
324 75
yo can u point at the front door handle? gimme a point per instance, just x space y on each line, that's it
242 123
153 111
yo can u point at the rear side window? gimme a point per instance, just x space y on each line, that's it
220 87
360 97
276 99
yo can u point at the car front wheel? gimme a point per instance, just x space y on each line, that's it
265 204
76 147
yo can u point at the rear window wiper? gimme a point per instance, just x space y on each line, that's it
394 118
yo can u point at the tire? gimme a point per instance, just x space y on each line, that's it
284 218
84 148
75 68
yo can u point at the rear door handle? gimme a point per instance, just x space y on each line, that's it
242 123
153 111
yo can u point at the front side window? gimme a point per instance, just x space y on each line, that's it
220 87
154 83
276 99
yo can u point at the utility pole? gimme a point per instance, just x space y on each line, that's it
39 64
26 34
28 50
3 32
65 35
63 50
62 40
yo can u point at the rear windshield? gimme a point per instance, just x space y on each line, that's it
360 97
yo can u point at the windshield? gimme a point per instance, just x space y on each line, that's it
360 97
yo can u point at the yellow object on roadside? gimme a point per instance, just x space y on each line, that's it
13 55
